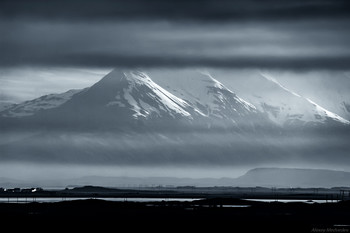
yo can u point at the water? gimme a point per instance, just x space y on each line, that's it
235 206
137 199
59 199
292 200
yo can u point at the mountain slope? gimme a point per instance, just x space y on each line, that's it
4 105
127 118
32 107
328 89
125 97
185 117
132 90
293 177
184 96
282 105
213 99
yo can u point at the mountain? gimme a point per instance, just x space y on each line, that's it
4 105
184 96
122 99
257 177
212 98
132 90
127 118
293 177
328 89
34 106
129 97
175 118
283 106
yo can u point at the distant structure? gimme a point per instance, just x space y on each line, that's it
14 190
19 190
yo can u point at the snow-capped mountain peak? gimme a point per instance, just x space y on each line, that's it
206 94
283 105
305 109
213 81
132 93
156 98
186 95
220 92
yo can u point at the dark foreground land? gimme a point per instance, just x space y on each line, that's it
214 212
220 209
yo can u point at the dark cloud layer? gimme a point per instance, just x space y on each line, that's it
180 9
105 60
234 34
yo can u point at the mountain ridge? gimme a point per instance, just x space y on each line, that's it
127 118
280 104
126 96
132 92
336 178
294 177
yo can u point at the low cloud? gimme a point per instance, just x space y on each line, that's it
291 46
196 10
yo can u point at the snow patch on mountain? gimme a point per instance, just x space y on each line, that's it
208 96
272 79
145 97
323 111
170 101
31 107
314 113
219 85
282 105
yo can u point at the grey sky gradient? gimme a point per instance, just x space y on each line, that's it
294 35
198 10
26 83
53 46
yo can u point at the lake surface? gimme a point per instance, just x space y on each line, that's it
137 199
58 199
293 200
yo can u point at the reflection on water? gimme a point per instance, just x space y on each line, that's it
235 206
136 199
58 199
292 200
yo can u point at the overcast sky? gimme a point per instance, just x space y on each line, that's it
270 34
52 46
49 46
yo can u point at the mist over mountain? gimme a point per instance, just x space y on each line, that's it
257 177
284 105
294 177
332 92
175 117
